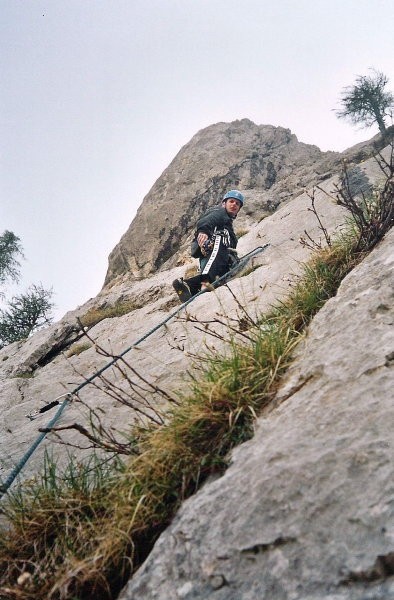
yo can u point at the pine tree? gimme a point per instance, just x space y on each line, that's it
10 248
25 313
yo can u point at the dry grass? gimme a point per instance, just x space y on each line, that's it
241 232
191 271
79 535
82 540
77 349
249 270
95 315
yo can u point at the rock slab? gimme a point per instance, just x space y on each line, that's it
268 163
306 509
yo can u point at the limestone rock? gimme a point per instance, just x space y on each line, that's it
314 484
56 360
305 510
267 163
29 381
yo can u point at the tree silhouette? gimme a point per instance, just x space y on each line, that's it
367 101
10 248
25 313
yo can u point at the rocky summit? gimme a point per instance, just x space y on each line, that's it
268 163
305 510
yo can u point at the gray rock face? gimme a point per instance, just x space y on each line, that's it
306 509
34 373
303 513
267 163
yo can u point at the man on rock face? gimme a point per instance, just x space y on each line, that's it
214 245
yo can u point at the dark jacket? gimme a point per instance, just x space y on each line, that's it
214 219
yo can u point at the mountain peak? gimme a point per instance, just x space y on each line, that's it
254 158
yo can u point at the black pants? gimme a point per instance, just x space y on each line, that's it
216 264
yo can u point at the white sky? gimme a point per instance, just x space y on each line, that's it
97 97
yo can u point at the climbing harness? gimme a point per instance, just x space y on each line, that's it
69 395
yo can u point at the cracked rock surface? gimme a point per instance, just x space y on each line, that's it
306 509
29 380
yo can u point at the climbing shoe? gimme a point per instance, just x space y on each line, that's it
182 289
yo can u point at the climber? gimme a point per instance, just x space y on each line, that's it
214 245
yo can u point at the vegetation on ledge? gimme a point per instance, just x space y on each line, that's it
79 535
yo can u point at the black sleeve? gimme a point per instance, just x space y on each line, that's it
211 219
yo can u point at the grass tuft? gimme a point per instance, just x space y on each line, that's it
77 349
79 534
95 315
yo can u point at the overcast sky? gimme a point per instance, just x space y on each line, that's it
97 97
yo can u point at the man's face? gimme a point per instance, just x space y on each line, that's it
232 206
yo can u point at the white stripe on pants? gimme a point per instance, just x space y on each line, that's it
213 255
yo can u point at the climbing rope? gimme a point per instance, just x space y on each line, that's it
4 487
